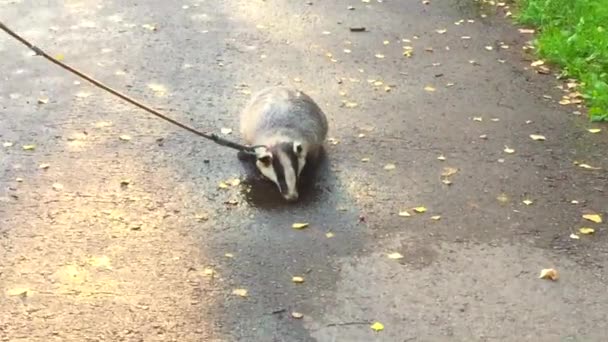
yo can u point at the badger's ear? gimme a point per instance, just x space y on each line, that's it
297 147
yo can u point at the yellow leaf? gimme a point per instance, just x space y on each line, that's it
347 51
329 235
44 166
589 167
7 144
509 150
594 130
389 167
436 217
449 171
297 280
29 147
379 55
299 225
574 236
441 31
240 292
489 48
537 137
386 42
564 102
349 104
59 57
441 157
429 88
125 137
593 218
395 256
229 255
18 291
586 231
223 185
404 214
446 182
297 315
365 160
101 262
477 118
420 209
549 273
377 326
527 202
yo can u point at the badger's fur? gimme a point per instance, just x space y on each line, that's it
290 129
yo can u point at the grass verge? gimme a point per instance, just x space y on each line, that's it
574 35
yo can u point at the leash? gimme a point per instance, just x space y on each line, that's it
211 136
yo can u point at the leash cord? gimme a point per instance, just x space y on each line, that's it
211 136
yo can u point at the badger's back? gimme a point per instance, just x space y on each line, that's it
281 113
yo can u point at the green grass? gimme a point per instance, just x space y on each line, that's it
574 35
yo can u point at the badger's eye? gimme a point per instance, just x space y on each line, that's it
265 160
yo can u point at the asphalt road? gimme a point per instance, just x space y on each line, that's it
113 227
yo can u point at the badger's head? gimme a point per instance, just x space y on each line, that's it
282 163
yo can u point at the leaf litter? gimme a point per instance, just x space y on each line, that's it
549 273
593 218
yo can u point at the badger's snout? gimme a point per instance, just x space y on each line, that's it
291 197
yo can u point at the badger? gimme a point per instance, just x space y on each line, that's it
287 130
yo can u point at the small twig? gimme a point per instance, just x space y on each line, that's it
278 311
348 323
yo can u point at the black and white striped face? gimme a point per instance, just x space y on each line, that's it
283 164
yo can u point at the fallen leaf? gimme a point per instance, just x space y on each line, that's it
441 157
509 150
18 291
349 104
234 182
83 94
404 214
229 255
586 231
297 280
564 102
44 166
389 167
594 130
377 326
101 262
549 273
395 256
329 235
7 144
537 137
477 118
420 209
593 218
157 88
503 198
441 31
589 167
379 55
299 225
240 292
201 217
125 137
449 171
386 42
225 130
365 160
149 27
223 185
297 315
574 236
430 88
43 100
347 51
29 147
446 182
465 37
489 48
436 217
527 31
208 272
537 63
527 202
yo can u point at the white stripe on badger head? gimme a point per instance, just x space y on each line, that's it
268 172
289 173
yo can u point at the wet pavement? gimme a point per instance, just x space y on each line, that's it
125 235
